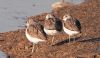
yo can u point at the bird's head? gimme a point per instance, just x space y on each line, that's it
27 24
66 16
49 16
30 22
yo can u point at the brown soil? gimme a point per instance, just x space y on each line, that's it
16 45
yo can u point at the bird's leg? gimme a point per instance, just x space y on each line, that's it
26 47
36 47
33 48
74 38
52 39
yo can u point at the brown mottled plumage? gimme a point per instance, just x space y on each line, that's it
71 25
50 25
36 24
34 32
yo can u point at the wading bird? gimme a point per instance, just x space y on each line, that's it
71 25
34 33
52 25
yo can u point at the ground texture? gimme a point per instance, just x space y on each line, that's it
16 45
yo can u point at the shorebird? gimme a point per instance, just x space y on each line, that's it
60 4
71 25
34 33
52 25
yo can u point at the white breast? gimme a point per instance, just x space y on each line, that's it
33 39
69 32
50 32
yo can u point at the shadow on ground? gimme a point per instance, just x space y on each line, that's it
77 40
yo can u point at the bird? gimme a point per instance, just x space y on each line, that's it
34 33
52 25
71 25
60 4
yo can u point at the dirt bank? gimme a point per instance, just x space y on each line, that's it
14 43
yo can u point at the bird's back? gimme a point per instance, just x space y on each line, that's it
72 24
49 24
36 29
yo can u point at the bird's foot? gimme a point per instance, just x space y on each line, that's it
26 48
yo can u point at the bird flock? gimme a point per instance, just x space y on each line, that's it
36 32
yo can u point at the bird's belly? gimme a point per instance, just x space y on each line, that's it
69 32
50 32
33 39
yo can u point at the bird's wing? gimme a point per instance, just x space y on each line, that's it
40 27
49 24
72 24
41 31
36 27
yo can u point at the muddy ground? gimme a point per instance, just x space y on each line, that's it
16 45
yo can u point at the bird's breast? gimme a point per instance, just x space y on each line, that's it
69 32
50 32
